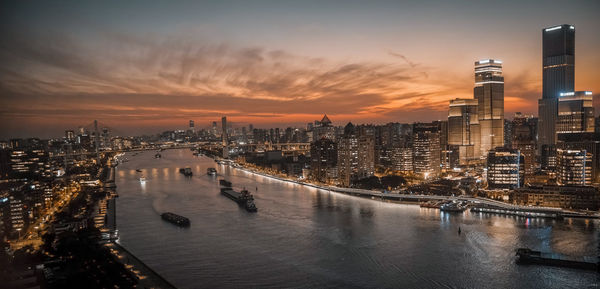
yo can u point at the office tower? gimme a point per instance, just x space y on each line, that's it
574 167
224 138
558 72
192 128
214 128
505 169
323 163
523 138
489 92
69 136
588 141
464 129
575 112
426 149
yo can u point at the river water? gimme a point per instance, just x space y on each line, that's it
303 237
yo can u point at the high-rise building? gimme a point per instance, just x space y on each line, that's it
426 149
323 129
192 128
575 112
224 138
505 169
523 138
574 167
463 129
588 141
356 155
558 72
69 136
489 92
323 163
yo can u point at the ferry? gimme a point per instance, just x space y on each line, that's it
453 207
176 219
211 171
243 198
138 170
186 172
157 156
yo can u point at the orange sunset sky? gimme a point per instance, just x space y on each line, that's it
146 67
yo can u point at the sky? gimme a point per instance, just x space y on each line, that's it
148 66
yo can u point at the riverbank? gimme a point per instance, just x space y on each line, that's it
504 208
146 276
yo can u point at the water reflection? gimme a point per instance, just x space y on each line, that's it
310 238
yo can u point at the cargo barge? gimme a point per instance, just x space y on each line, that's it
243 198
528 256
176 219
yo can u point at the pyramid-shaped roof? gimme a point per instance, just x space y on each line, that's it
325 121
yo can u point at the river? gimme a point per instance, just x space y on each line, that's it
303 237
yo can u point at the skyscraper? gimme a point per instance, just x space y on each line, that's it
575 112
463 129
506 169
192 128
489 92
558 70
224 137
574 167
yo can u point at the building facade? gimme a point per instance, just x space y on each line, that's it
558 73
574 167
505 169
464 129
489 92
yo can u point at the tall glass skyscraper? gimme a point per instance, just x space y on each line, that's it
558 64
489 92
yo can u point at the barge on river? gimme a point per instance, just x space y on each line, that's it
243 198
528 256
178 220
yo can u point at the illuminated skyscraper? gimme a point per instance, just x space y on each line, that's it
575 112
224 137
192 128
574 167
505 169
463 129
558 65
489 92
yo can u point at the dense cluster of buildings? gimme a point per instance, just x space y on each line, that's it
556 152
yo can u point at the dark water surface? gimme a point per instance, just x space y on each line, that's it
302 237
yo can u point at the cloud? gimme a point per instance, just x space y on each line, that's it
129 78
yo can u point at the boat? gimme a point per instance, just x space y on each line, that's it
243 198
142 180
225 183
176 219
528 256
138 170
157 156
453 207
430 204
186 172
211 171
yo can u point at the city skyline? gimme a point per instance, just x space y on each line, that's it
144 77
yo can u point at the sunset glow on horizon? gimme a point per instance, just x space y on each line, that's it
144 68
